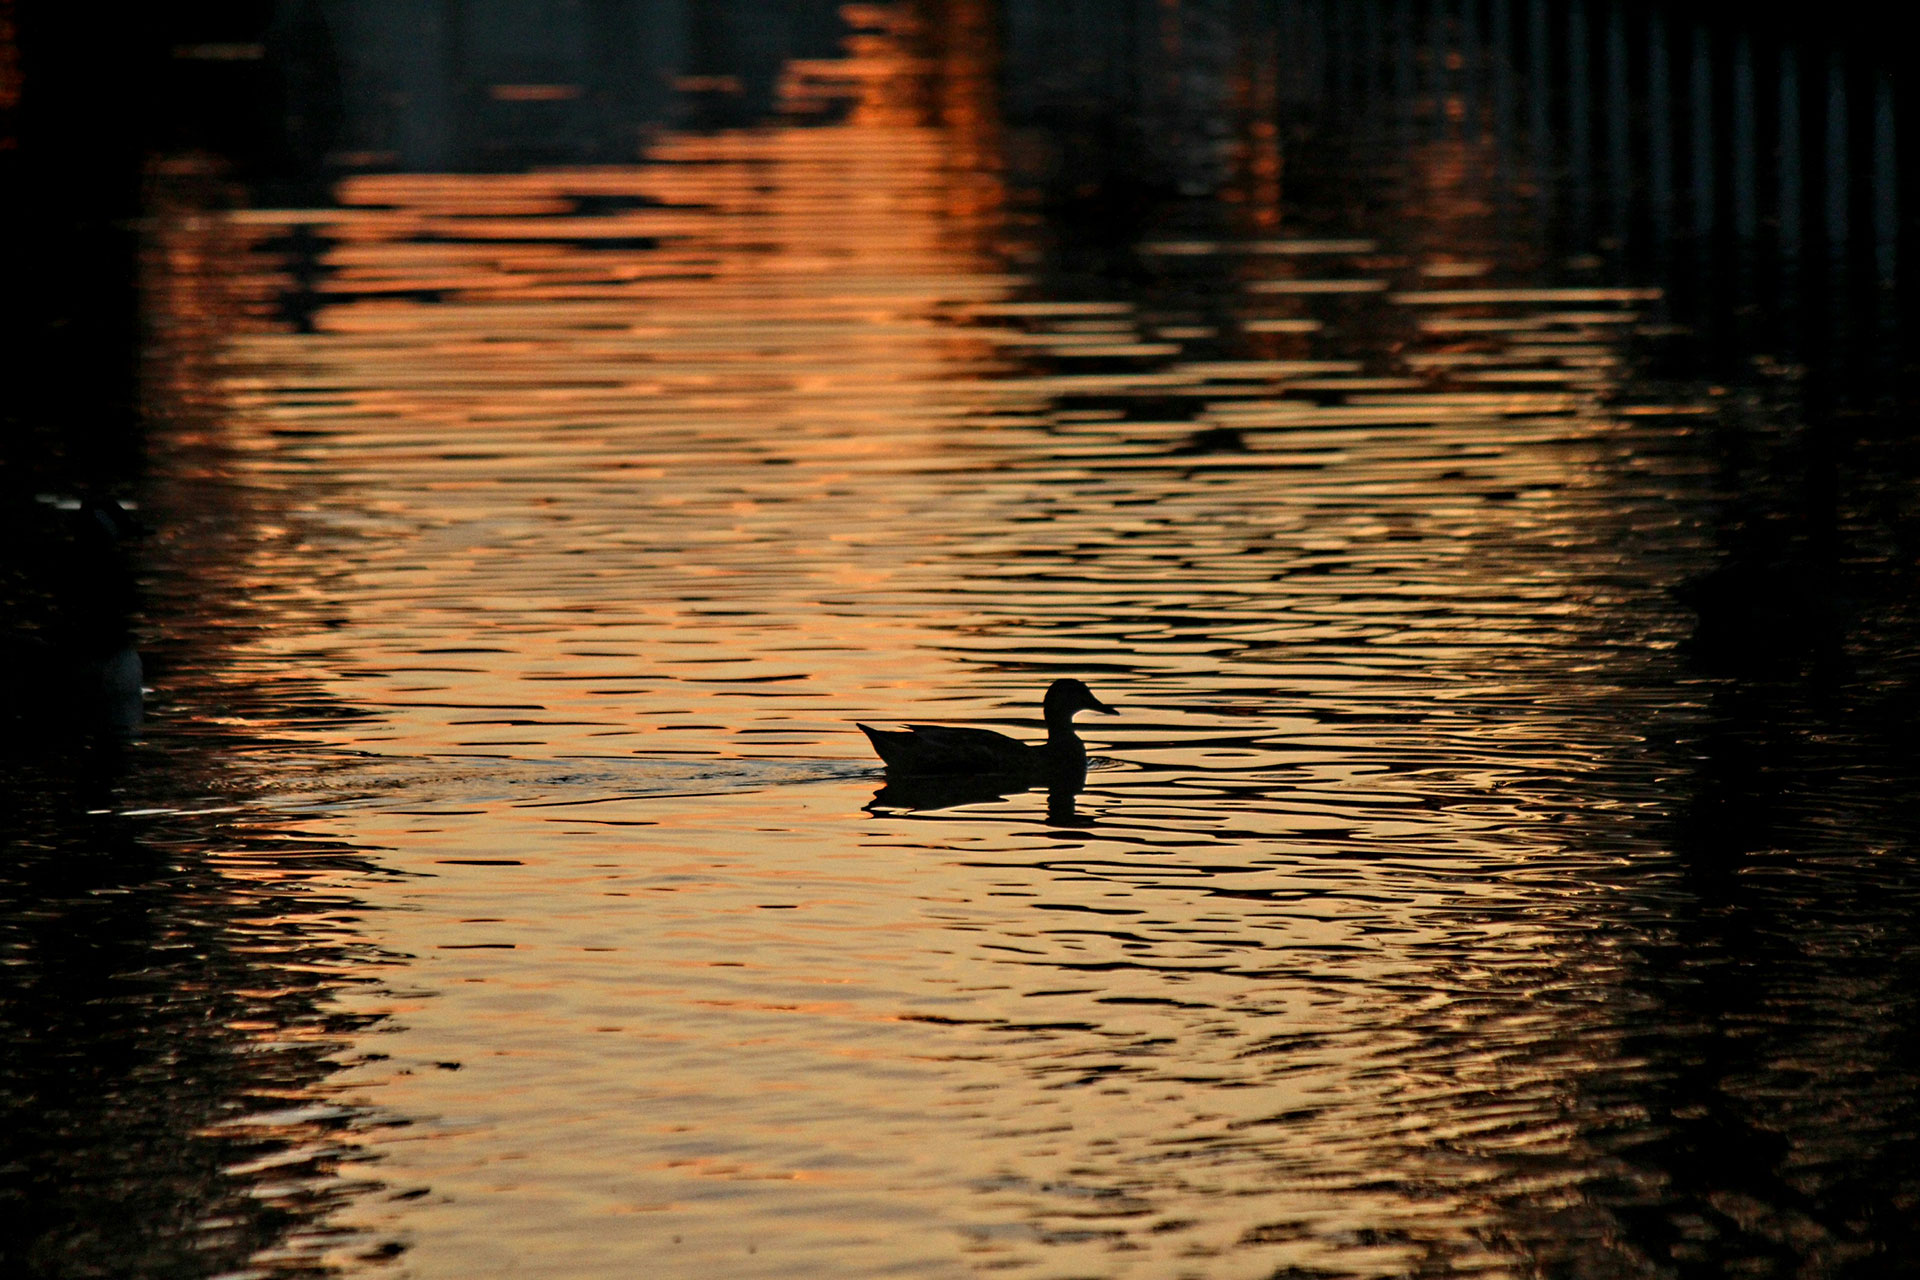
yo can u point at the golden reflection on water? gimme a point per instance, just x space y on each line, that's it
604 528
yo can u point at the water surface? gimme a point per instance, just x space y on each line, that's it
1501 865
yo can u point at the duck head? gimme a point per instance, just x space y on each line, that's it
1065 697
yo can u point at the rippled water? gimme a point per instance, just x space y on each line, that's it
1501 865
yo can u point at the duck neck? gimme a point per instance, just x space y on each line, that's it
1060 734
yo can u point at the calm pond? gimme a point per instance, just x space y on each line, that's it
1502 862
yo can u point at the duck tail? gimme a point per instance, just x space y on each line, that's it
886 742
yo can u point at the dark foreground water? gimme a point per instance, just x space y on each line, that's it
1502 865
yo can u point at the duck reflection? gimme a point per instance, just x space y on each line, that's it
914 794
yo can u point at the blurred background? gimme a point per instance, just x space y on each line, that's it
1748 158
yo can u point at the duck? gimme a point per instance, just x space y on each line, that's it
943 751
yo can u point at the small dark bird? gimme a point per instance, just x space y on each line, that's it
67 658
935 751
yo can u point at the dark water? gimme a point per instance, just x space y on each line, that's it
1497 534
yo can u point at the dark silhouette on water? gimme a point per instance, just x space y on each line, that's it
951 791
68 664
942 751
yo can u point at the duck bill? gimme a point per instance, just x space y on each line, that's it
1101 707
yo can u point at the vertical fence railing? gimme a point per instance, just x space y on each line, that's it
1750 163
1756 165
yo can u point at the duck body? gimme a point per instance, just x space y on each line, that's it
931 750
945 751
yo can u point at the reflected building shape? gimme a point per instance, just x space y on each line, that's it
1746 177
1655 135
491 84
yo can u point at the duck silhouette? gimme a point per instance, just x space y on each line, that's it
943 751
